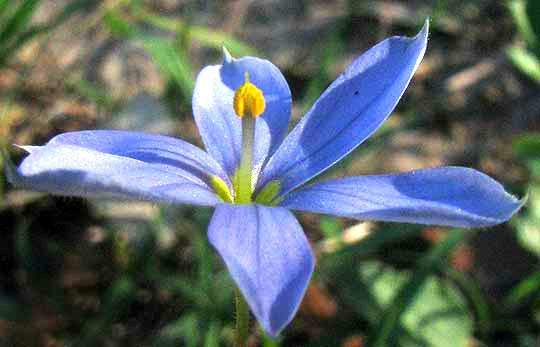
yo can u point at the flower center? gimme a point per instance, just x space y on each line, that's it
248 101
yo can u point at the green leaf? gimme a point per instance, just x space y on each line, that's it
430 310
117 297
439 316
93 92
3 6
527 340
19 20
518 10
329 226
475 296
186 327
7 165
117 25
525 61
528 227
173 63
526 288
201 34
329 49
28 34
211 338
533 14
527 146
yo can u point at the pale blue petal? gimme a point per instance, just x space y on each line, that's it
452 196
268 256
348 112
220 127
163 152
136 174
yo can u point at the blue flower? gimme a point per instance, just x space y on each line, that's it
254 175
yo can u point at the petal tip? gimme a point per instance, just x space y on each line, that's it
28 149
276 264
425 28
227 57
423 34
277 321
507 214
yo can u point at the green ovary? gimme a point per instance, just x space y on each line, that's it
268 194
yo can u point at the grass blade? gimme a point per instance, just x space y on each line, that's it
390 321
19 20
201 34
172 62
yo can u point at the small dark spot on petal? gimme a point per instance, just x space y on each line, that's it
356 92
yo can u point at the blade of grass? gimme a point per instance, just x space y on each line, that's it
70 9
172 62
6 164
533 13
92 92
518 11
116 300
19 20
117 25
3 6
201 34
528 63
389 324
211 338
528 287
476 297
328 51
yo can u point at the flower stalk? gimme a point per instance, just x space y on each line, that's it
242 320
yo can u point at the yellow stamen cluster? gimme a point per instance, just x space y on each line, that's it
249 100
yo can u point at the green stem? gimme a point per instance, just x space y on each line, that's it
246 162
242 320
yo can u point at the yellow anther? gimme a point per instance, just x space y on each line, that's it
249 100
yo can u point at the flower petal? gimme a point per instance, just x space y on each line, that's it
220 127
127 166
164 152
267 255
453 196
348 112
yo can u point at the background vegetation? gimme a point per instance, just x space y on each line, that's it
90 273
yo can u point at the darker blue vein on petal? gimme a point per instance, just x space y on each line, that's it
452 196
348 112
268 256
